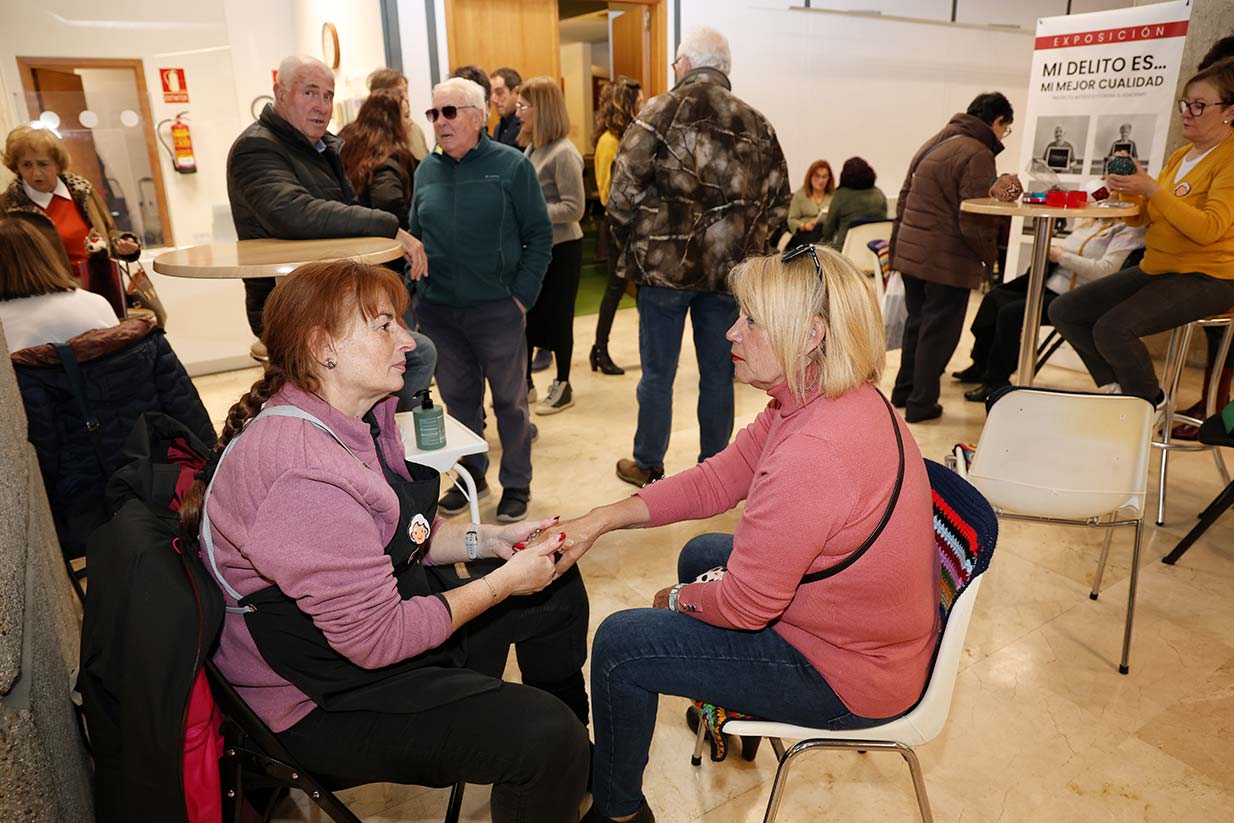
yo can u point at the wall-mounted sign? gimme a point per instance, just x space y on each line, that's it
175 90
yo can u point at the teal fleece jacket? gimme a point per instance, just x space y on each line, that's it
484 224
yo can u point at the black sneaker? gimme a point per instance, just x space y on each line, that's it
513 505
455 502
560 397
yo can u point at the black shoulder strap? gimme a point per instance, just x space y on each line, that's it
930 150
814 577
77 384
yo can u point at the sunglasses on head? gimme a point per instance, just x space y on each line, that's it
448 112
806 248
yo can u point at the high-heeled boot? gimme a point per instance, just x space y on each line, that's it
601 362
1185 431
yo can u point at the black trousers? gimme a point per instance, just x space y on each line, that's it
996 328
931 333
613 290
256 290
522 739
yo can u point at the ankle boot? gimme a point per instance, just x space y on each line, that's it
600 361
1185 431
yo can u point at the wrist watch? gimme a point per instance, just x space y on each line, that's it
673 594
471 541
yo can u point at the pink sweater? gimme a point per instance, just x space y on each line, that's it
816 478
292 507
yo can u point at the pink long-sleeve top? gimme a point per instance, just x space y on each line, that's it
291 507
816 477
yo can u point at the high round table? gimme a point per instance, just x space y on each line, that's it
272 258
1043 231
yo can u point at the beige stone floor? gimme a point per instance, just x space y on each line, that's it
1042 727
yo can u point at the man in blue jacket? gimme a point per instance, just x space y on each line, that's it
481 215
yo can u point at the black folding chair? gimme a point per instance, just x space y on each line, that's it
1212 433
254 759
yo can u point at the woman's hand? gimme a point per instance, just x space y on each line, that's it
581 533
1056 253
531 569
809 226
660 601
1141 183
126 246
505 541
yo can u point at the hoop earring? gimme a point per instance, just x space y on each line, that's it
331 362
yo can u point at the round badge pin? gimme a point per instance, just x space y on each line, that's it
419 530
1182 189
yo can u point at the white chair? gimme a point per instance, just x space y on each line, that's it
966 532
460 442
1069 458
856 244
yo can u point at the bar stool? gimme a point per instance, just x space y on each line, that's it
1175 360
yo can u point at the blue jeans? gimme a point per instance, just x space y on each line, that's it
661 323
640 654
421 362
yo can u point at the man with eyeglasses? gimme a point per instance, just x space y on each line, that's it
285 179
505 84
698 185
941 252
479 209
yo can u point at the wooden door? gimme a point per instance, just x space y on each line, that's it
521 34
631 43
62 92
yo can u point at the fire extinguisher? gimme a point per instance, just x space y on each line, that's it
181 148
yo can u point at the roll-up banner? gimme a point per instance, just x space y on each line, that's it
1101 84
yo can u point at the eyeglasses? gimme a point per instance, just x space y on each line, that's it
448 112
1193 107
523 106
807 248
1007 132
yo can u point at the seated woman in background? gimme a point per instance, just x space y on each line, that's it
818 469
350 630
810 202
1188 267
40 301
61 204
1094 249
856 199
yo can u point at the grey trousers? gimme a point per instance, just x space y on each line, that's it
474 344
1104 320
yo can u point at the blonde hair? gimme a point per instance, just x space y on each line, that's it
25 139
550 120
785 298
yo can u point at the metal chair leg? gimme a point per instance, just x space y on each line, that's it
777 786
1210 515
1180 340
700 740
1105 553
1123 667
455 806
919 787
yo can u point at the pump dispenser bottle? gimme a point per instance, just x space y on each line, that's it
430 422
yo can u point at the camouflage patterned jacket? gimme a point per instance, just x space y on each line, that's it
699 184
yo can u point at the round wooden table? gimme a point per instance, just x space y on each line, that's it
271 258
1043 231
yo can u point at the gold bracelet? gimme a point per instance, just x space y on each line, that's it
491 590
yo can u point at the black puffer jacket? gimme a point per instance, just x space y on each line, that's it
127 370
280 186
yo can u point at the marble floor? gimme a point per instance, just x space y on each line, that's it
1042 726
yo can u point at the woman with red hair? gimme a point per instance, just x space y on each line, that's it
810 202
376 154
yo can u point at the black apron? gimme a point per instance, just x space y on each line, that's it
298 651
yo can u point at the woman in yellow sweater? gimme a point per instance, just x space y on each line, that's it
1188 267
617 111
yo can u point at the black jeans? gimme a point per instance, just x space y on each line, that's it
256 292
613 290
523 740
997 327
1104 320
931 332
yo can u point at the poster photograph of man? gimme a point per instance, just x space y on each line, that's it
1059 142
1122 133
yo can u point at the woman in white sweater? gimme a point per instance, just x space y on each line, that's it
1094 249
40 301
545 132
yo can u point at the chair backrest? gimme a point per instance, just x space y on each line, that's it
965 533
1062 454
856 242
881 249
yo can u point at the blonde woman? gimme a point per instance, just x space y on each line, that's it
829 473
545 137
